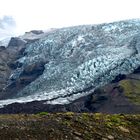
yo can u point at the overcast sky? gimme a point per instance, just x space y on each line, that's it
43 14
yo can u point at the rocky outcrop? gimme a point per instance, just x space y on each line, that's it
8 54
16 42
4 69
37 32
8 57
33 36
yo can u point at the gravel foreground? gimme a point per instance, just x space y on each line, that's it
69 126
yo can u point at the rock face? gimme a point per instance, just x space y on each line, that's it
71 63
37 32
9 55
15 42
4 69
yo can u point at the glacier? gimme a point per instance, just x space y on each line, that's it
78 60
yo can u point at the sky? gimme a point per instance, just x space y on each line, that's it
44 14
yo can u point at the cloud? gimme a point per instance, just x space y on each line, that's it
7 26
7 22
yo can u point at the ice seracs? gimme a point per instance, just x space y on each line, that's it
78 60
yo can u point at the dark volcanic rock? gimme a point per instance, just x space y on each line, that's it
37 32
137 70
16 42
34 69
9 56
2 48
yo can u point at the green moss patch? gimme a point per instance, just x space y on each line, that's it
70 126
43 113
131 90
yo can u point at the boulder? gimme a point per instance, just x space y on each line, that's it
15 41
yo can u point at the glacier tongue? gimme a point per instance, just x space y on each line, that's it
78 60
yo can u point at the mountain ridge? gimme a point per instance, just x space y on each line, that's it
69 63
